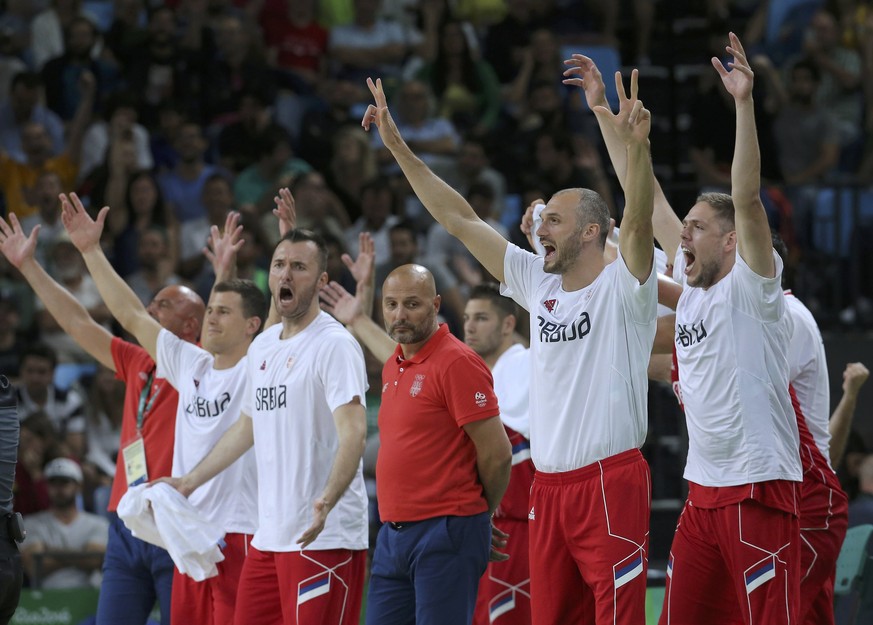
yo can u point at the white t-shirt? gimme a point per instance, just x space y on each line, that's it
511 375
732 347
589 354
295 385
808 372
209 403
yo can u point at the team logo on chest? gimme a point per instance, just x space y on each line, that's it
264 366
289 363
551 305
417 384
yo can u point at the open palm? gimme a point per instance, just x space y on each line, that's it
15 246
740 79
84 232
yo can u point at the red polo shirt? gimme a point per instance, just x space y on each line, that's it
427 463
133 366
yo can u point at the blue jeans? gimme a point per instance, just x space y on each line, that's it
135 574
427 572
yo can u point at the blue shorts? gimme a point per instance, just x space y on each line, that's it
427 572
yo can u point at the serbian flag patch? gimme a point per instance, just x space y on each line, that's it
501 607
629 571
760 575
520 452
312 589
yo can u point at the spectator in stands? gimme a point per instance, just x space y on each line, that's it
104 409
434 139
142 208
296 44
238 69
48 216
24 106
506 42
11 342
62 73
156 269
378 216
839 92
238 141
252 258
369 46
539 62
861 510
163 70
352 166
182 187
48 30
120 120
36 446
17 179
218 200
64 546
276 167
466 87
37 392
67 267
320 125
474 166
126 35
318 208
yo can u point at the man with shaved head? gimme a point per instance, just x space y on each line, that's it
443 464
135 573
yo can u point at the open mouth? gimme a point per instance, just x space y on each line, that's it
285 295
689 260
551 252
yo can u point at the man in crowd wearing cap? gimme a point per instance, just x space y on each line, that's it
64 546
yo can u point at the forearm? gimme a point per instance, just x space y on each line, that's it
234 443
494 474
639 187
373 337
839 427
70 315
446 205
78 125
746 166
351 422
122 302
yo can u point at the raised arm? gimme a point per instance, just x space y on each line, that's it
446 205
841 420
754 241
222 247
71 316
355 312
351 427
582 72
631 125
123 303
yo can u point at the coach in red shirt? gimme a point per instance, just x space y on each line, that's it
443 464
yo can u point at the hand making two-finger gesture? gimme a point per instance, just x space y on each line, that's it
740 79
633 121
583 73
379 115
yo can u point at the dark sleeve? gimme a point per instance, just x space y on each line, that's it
8 443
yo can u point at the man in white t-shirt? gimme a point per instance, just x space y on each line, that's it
735 556
211 382
303 410
592 327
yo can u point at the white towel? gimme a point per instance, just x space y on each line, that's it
160 515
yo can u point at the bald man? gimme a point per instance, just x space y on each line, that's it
443 465
135 573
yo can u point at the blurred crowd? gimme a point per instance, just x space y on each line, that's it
176 112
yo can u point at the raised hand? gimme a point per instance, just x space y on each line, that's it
16 247
363 268
633 121
583 73
854 377
336 301
740 79
222 246
285 211
84 232
379 115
